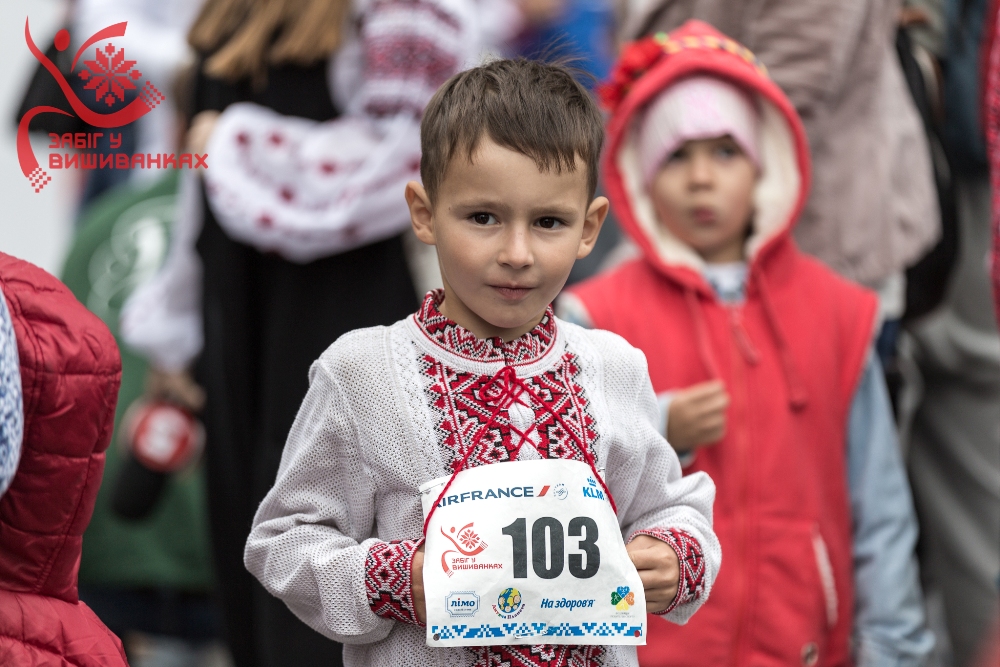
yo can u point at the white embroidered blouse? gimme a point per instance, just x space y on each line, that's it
388 409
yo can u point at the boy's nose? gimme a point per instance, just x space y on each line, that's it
516 251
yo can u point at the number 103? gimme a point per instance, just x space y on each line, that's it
548 563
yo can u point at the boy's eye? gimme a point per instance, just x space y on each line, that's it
549 223
483 218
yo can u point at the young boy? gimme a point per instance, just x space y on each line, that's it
762 353
482 374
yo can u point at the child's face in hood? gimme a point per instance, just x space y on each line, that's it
703 194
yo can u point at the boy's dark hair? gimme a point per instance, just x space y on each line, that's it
534 108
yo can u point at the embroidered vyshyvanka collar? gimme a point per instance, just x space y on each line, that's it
458 340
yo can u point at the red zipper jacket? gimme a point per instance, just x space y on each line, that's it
70 372
791 356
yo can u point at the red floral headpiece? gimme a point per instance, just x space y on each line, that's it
640 56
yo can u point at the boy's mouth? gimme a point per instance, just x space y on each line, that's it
512 292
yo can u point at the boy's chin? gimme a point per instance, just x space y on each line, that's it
513 318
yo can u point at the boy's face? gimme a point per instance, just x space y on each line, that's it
507 235
703 194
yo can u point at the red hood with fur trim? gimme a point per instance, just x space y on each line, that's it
645 69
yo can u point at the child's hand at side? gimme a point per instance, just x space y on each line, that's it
417 584
658 569
697 415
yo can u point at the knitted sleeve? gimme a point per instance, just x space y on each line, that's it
310 544
654 498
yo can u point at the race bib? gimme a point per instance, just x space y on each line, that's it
528 552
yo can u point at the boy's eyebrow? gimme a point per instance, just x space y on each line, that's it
554 210
481 204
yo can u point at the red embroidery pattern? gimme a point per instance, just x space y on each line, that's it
410 57
387 580
458 340
457 398
463 408
545 655
109 74
691 584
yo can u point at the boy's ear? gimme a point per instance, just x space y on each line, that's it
421 212
596 213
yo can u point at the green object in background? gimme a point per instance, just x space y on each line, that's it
121 242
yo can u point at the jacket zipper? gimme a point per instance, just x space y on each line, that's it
826 577
742 352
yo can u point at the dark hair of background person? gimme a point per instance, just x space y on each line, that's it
537 109
246 36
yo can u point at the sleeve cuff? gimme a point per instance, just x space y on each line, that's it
388 580
690 558
663 400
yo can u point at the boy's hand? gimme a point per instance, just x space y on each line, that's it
697 415
658 569
417 584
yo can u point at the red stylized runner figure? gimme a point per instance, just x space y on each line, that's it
109 75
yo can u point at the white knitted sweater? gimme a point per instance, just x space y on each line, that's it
390 408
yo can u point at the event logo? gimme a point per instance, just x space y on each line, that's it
463 604
561 492
623 598
468 544
109 76
509 603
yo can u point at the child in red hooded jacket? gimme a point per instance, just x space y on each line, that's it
762 361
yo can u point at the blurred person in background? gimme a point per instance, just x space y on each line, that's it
991 121
309 113
580 29
954 357
146 569
69 373
149 578
872 210
708 166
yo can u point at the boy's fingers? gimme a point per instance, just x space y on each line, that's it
657 577
713 401
647 559
703 389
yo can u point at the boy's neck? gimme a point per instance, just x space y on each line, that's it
453 308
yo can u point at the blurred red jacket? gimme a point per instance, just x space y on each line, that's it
790 356
70 372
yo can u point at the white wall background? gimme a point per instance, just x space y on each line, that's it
34 227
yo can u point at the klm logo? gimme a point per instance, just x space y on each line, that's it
591 490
